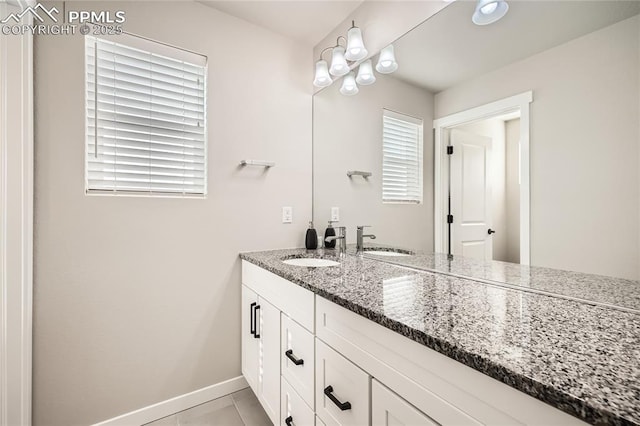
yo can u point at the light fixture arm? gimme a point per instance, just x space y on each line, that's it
338 41
324 50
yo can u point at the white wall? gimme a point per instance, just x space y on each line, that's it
584 147
512 144
348 136
137 299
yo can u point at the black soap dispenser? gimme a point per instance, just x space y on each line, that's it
330 232
311 240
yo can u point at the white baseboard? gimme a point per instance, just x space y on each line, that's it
179 403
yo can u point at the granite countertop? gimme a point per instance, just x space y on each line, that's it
581 358
617 292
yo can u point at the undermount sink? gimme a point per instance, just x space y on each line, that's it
386 253
311 262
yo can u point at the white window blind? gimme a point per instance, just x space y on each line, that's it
146 117
401 158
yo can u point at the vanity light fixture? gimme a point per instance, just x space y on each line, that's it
489 11
349 86
355 45
365 73
322 78
339 66
387 61
346 57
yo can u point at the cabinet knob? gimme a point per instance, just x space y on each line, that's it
289 421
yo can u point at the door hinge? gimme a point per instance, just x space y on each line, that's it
449 150
449 218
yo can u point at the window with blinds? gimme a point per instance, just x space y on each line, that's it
401 158
146 118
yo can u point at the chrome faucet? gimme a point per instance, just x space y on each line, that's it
360 237
341 238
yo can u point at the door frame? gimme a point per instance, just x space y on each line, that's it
520 102
16 221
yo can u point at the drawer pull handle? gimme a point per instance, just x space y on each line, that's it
293 359
341 405
252 321
255 324
289 421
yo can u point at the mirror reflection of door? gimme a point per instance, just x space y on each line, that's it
471 195
484 188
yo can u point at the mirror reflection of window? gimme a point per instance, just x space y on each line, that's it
401 158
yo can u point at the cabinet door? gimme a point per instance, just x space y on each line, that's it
250 341
269 368
342 389
294 411
388 409
298 358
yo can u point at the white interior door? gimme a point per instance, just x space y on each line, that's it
471 195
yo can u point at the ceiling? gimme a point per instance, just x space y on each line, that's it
449 49
307 21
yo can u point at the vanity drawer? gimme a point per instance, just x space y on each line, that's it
298 358
388 409
342 389
288 297
294 411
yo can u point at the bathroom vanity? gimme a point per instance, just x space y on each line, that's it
368 342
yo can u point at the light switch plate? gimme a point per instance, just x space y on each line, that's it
335 214
287 215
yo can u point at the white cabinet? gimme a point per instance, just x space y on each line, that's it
295 412
342 389
250 341
310 361
261 350
269 377
266 299
298 359
388 409
445 390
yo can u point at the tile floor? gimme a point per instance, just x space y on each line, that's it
238 409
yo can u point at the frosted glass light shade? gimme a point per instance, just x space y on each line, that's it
387 61
355 45
489 11
322 77
365 74
349 86
339 64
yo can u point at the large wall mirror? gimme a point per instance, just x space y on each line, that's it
542 111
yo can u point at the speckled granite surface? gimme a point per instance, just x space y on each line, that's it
580 358
588 287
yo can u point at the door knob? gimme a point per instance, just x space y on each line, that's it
490 231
